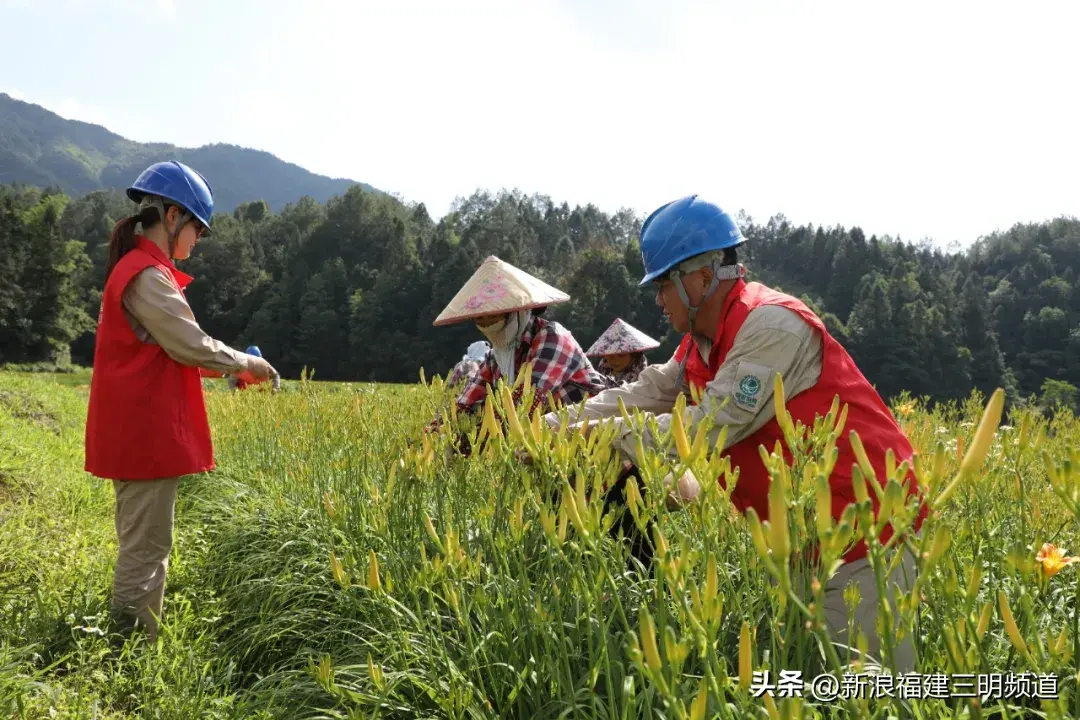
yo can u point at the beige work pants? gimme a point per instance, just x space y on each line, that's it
144 530
865 615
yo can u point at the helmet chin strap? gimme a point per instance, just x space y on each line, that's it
719 273
155 202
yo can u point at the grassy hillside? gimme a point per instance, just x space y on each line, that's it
307 582
38 147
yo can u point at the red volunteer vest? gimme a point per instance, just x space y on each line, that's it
867 413
147 416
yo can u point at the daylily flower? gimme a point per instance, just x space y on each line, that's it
1053 559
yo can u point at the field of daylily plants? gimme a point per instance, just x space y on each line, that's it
341 564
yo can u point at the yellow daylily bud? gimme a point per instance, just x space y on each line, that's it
1010 626
570 504
516 431
984 435
892 502
526 385
984 619
745 668
782 415
1025 429
374 581
779 535
562 523
547 521
698 448
698 707
1061 644
858 484
517 520
711 581
633 497
973 582
757 533
340 575
721 440
942 538
842 422
535 428
432 535
489 427
648 640
661 543
375 672
770 707
860 455
682 444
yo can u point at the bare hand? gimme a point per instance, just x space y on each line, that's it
686 491
260 369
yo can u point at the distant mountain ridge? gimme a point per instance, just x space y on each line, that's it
38 147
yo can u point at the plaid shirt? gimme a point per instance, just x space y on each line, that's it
560 370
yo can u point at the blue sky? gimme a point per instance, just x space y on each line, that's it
945 120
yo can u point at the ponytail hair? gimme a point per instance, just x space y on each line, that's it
122 237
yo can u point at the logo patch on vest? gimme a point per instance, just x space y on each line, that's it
749 386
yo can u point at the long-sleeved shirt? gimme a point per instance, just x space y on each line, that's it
159 313
559 368
772 340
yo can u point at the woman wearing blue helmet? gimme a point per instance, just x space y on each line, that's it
738 337
146 425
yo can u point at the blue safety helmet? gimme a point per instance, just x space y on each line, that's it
177 182
682 229
254 350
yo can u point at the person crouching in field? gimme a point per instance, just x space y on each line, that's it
737 337
506 304
469 363
622 350
146 425
244 381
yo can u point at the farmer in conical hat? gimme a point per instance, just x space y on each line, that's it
738 337
622 351
506 304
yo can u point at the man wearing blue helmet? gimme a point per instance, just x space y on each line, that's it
146 424
237 382
738 336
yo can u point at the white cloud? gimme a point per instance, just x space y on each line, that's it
167 9
73 109
17 94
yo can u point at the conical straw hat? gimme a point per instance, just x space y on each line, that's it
498 287
621 337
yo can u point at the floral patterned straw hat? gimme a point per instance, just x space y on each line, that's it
498 287
621 337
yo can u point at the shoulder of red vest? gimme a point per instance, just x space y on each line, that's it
133 263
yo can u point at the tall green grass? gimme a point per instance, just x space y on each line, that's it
337 565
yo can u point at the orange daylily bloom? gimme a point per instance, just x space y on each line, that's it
1053 559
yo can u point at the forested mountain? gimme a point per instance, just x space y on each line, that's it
350 287
38 147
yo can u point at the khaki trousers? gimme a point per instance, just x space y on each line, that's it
144 530
865 616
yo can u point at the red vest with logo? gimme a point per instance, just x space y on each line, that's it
147 415
867 413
